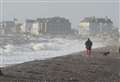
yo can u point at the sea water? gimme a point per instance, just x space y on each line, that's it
41 50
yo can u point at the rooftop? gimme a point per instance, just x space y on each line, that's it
97 20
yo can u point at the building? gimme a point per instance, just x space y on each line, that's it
92 25
54 25
43 25
59 25
8 27
35 28
29 25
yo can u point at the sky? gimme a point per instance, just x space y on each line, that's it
74 10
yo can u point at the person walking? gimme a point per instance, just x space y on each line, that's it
88 45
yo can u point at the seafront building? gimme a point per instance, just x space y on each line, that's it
53 25
92 25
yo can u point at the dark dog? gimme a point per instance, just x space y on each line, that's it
106 53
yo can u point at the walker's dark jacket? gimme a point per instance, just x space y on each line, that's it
88 44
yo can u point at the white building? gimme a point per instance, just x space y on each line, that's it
84 28
35 28
92 25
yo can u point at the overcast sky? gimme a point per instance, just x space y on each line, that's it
75 10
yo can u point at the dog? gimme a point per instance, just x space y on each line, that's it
106 53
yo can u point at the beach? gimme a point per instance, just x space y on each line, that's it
76 67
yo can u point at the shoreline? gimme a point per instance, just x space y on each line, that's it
9 65
74 67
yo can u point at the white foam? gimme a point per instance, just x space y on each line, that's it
40 51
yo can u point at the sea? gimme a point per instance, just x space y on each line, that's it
43 49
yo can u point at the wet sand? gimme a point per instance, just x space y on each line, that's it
76 67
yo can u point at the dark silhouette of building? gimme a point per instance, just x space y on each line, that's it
58 25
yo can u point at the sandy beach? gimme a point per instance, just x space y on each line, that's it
76 67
